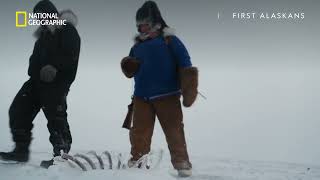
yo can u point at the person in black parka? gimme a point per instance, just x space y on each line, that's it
52 69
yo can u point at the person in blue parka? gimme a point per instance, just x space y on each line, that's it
162 70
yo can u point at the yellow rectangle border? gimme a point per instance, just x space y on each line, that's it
24 13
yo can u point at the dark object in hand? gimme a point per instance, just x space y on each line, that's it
189 85
129 66
127 121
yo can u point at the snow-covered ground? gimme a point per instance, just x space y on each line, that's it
258 123
205 168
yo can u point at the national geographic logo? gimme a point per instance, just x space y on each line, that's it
24 19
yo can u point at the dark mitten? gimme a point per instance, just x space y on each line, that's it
189 85
48 73
129 66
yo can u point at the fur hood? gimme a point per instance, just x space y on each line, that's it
67 15
167 31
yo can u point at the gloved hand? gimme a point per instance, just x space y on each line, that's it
48 73
189 85
129 66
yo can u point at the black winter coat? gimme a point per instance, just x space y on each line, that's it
60 49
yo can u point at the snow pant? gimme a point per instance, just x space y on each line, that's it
169 112
26 105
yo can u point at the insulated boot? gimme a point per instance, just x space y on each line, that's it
184 169
20 153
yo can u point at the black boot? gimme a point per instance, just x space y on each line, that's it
20 153
58 148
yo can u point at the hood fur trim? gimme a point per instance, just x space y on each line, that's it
167 31
68 15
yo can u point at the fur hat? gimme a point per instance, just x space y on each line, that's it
149 13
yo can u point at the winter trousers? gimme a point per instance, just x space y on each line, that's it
26 105
168 111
